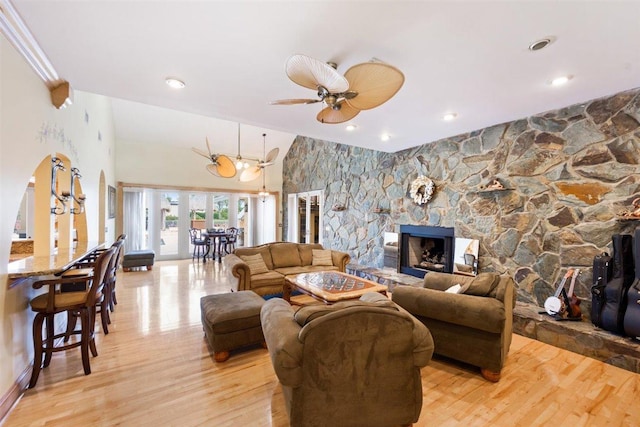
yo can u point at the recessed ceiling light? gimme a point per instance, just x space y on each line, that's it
539 44
559 81
449 116
351 127
385 137
175 83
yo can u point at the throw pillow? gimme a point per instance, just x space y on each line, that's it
481 285
321 257
256 263
455 289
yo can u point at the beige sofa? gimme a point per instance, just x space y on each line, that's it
473 326
281 259
354 363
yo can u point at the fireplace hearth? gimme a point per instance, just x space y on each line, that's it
426 248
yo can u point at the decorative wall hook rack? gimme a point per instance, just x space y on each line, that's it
58 209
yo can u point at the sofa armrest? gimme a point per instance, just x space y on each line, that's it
482 313
423 345
340 260
281 335
238 272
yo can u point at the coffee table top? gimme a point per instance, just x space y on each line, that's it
334 286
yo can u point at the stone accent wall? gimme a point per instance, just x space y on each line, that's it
566 173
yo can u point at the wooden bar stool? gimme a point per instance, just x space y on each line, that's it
81 304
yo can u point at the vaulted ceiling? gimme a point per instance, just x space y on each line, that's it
466 57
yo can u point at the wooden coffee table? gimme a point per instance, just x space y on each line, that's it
330 286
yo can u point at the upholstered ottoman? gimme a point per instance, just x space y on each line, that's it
143 258
231 321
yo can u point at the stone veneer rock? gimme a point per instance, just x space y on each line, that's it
566 173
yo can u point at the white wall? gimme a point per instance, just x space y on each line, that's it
31 129
163 165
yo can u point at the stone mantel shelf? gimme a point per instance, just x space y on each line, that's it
381 211
494 190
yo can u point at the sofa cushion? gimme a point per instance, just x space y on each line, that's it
308 313
304 250
284 254
262 250
481 285
270 278
321 257
256 263
288 271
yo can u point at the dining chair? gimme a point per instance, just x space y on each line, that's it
80 303
200 244
231 239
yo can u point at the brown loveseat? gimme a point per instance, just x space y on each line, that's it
354 363
281 259
473 326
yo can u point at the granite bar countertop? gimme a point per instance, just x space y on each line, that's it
57 262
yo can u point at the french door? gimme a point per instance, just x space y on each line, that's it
305 217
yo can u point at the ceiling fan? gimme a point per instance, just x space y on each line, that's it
221 165
268 160
363 86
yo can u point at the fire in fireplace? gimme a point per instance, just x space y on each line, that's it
426 248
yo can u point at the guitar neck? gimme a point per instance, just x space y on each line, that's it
573 281
562 282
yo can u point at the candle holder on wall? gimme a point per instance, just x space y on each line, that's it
61 205
80 198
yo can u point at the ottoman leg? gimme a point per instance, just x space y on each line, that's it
149 267
221 356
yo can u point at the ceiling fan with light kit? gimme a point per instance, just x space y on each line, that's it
220 166
267 160
363 87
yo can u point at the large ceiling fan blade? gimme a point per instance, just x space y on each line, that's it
311 73
200 152
213 169
271 156
208 147
294 101
331 116
375 83
250 174
226 168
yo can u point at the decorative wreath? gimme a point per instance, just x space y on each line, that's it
421 189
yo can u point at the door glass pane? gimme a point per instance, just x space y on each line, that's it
243 219
169 202
221 211
197 210
302 219
314 219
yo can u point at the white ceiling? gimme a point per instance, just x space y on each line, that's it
469 57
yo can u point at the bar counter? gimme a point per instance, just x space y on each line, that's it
25 268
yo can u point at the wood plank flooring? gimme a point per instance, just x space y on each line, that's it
154 369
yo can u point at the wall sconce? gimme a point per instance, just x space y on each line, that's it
57 164
62 95
80 198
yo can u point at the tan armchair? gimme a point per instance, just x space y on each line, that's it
473 326
354 363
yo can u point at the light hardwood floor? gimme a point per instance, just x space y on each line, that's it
154 369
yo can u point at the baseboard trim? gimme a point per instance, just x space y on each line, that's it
14 393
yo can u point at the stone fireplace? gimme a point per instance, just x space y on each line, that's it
426 248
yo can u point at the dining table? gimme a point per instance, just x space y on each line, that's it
215 238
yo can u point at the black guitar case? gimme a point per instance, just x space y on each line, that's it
602 274
615 291
632 314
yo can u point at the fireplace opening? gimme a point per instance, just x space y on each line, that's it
425 249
